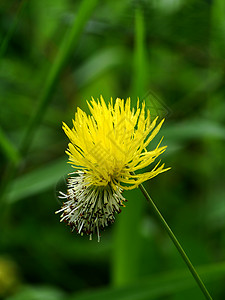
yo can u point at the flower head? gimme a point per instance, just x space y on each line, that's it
106 148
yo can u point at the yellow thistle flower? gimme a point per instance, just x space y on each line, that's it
106 148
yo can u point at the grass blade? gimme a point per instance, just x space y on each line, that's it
127 244
157 286
8 148
67 46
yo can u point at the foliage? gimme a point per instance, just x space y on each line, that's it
53 56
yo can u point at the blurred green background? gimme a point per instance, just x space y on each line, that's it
55 55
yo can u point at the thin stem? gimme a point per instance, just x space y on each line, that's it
176 243
8 148
6 40
65 51
126 264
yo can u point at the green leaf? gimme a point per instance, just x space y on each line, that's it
66 49
8 148
194 129
7 38
38 293
98 64
157 286
38 180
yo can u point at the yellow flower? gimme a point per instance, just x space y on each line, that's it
106 148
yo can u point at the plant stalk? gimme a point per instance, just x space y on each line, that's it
176 243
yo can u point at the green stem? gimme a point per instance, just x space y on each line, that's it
64 53
8 148
176 243
126 264
66 49
6 40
